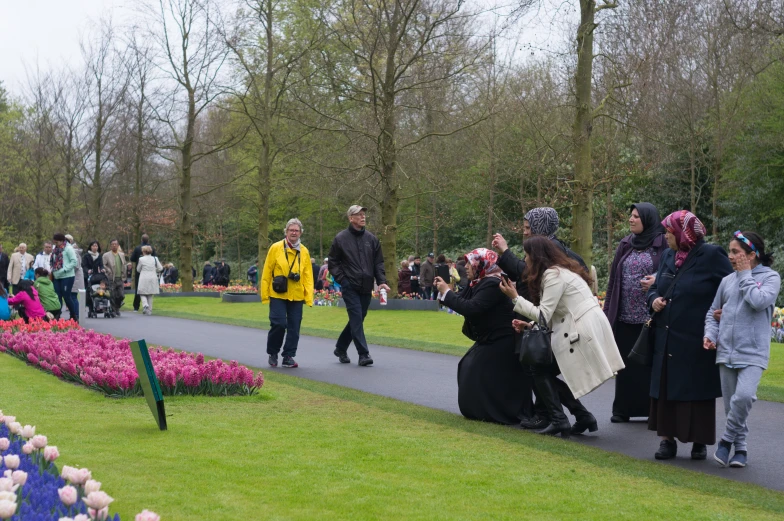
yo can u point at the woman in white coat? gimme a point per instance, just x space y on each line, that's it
149 269
582 340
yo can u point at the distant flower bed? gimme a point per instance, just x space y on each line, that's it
106 364
34 326
200 288
32 488
323 297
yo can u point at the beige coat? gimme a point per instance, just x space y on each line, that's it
17 266
582 340
108 264
149 269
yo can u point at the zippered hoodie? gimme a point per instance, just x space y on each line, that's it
746 300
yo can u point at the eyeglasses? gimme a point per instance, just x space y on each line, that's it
739 236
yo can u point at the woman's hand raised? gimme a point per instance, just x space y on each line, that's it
439 283
508 288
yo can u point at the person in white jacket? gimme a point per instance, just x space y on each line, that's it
149 268
582 339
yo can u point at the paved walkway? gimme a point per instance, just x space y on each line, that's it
430 379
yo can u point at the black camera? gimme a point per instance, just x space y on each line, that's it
294 277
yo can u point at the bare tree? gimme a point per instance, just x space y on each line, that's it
106 81
192 54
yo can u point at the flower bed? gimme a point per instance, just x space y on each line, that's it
323 297
32 489
197 288
200 288
106 364
18 325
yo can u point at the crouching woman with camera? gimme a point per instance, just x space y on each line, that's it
286 284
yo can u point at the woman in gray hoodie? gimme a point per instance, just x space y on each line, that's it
737 326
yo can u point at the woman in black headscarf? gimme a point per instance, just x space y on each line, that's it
632 273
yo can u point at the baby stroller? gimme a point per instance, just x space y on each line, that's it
102 298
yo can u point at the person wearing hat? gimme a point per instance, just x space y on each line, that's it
64 263
355 260
427 272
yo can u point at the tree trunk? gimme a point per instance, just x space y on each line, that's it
265 159
582 216
186 198
693 175
97 185
610 228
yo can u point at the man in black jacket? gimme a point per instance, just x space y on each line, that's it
355 260
135 256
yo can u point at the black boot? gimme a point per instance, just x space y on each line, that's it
584 420
548 394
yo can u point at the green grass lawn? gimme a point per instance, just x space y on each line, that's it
432 331
308 450
421 330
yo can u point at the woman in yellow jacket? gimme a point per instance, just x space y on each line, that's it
286 284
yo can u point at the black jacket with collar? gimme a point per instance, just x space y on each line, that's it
692 373
355 259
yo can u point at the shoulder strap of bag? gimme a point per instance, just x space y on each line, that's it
295 259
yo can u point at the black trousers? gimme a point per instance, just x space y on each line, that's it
137 299
357 305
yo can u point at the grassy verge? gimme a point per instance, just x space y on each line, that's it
772 384
308 450
421 330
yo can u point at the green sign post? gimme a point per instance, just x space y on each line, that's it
150 385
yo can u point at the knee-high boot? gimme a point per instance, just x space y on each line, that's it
583 417
548 393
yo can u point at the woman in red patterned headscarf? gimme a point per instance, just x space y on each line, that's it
490 379
684 376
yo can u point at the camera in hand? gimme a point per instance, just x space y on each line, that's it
294 277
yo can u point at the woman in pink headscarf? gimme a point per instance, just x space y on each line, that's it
684 376
489 377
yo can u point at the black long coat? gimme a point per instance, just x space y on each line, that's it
490 378
679 328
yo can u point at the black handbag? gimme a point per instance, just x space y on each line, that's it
642 352
280 284
535 346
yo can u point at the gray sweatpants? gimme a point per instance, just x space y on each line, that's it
739 390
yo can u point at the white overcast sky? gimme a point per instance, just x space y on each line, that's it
46 33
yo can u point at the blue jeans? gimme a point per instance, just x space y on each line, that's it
357 305
285 318
63 289
427 292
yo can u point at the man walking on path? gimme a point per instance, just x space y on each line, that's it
355 260
135 256
427 272
114 268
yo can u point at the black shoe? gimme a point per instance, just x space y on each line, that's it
564 429
365 360
667 450
586 422
342 356
617 418
289 362
273 360
699 451
534 422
